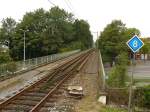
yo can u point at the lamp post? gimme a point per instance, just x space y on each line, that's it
24 48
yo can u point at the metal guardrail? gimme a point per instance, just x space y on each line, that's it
14 67
102 71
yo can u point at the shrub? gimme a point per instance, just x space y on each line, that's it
11 67
142 96
4 58
147 96
117 76
122 59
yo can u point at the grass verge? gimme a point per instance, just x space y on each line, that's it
112 109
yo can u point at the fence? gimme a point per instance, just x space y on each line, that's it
102 72
13 67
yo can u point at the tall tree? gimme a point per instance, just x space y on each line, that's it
83 34
112 40
7 31
49 32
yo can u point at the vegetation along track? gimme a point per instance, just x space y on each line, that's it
38 96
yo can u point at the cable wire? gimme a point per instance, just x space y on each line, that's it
51 3
70 6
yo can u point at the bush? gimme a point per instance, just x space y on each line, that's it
142 96
147 96
117 76
11 67
4 58
122 59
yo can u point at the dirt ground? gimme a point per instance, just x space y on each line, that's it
89 80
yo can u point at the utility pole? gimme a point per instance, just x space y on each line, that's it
24 41
24 48
135 44
130 104
97 39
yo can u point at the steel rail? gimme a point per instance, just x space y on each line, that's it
58 69
39 105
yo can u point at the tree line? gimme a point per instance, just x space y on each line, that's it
46 32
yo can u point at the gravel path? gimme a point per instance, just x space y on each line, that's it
89 81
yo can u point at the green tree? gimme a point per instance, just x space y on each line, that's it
112 43
49 32
7 31
112 40
4 57
122 59
117 76
83 34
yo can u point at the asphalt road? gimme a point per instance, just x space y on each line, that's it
141 70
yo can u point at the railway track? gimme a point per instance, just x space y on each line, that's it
42 95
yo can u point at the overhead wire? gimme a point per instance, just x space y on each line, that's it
70 6
51 2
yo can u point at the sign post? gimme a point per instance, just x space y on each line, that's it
135 44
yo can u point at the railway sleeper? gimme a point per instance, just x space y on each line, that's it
24 102
49 104
18 108
45 109
30 98
35 94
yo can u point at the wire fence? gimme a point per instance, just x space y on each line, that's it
14 67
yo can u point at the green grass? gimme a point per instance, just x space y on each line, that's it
111 109
142 80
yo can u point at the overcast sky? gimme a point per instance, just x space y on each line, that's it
134 13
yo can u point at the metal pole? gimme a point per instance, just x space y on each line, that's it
24 49
97 40
130 109
24 55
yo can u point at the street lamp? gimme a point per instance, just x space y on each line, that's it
24 41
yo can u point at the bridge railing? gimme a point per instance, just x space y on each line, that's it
102 72
14 67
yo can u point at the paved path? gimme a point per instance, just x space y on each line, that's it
141 70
